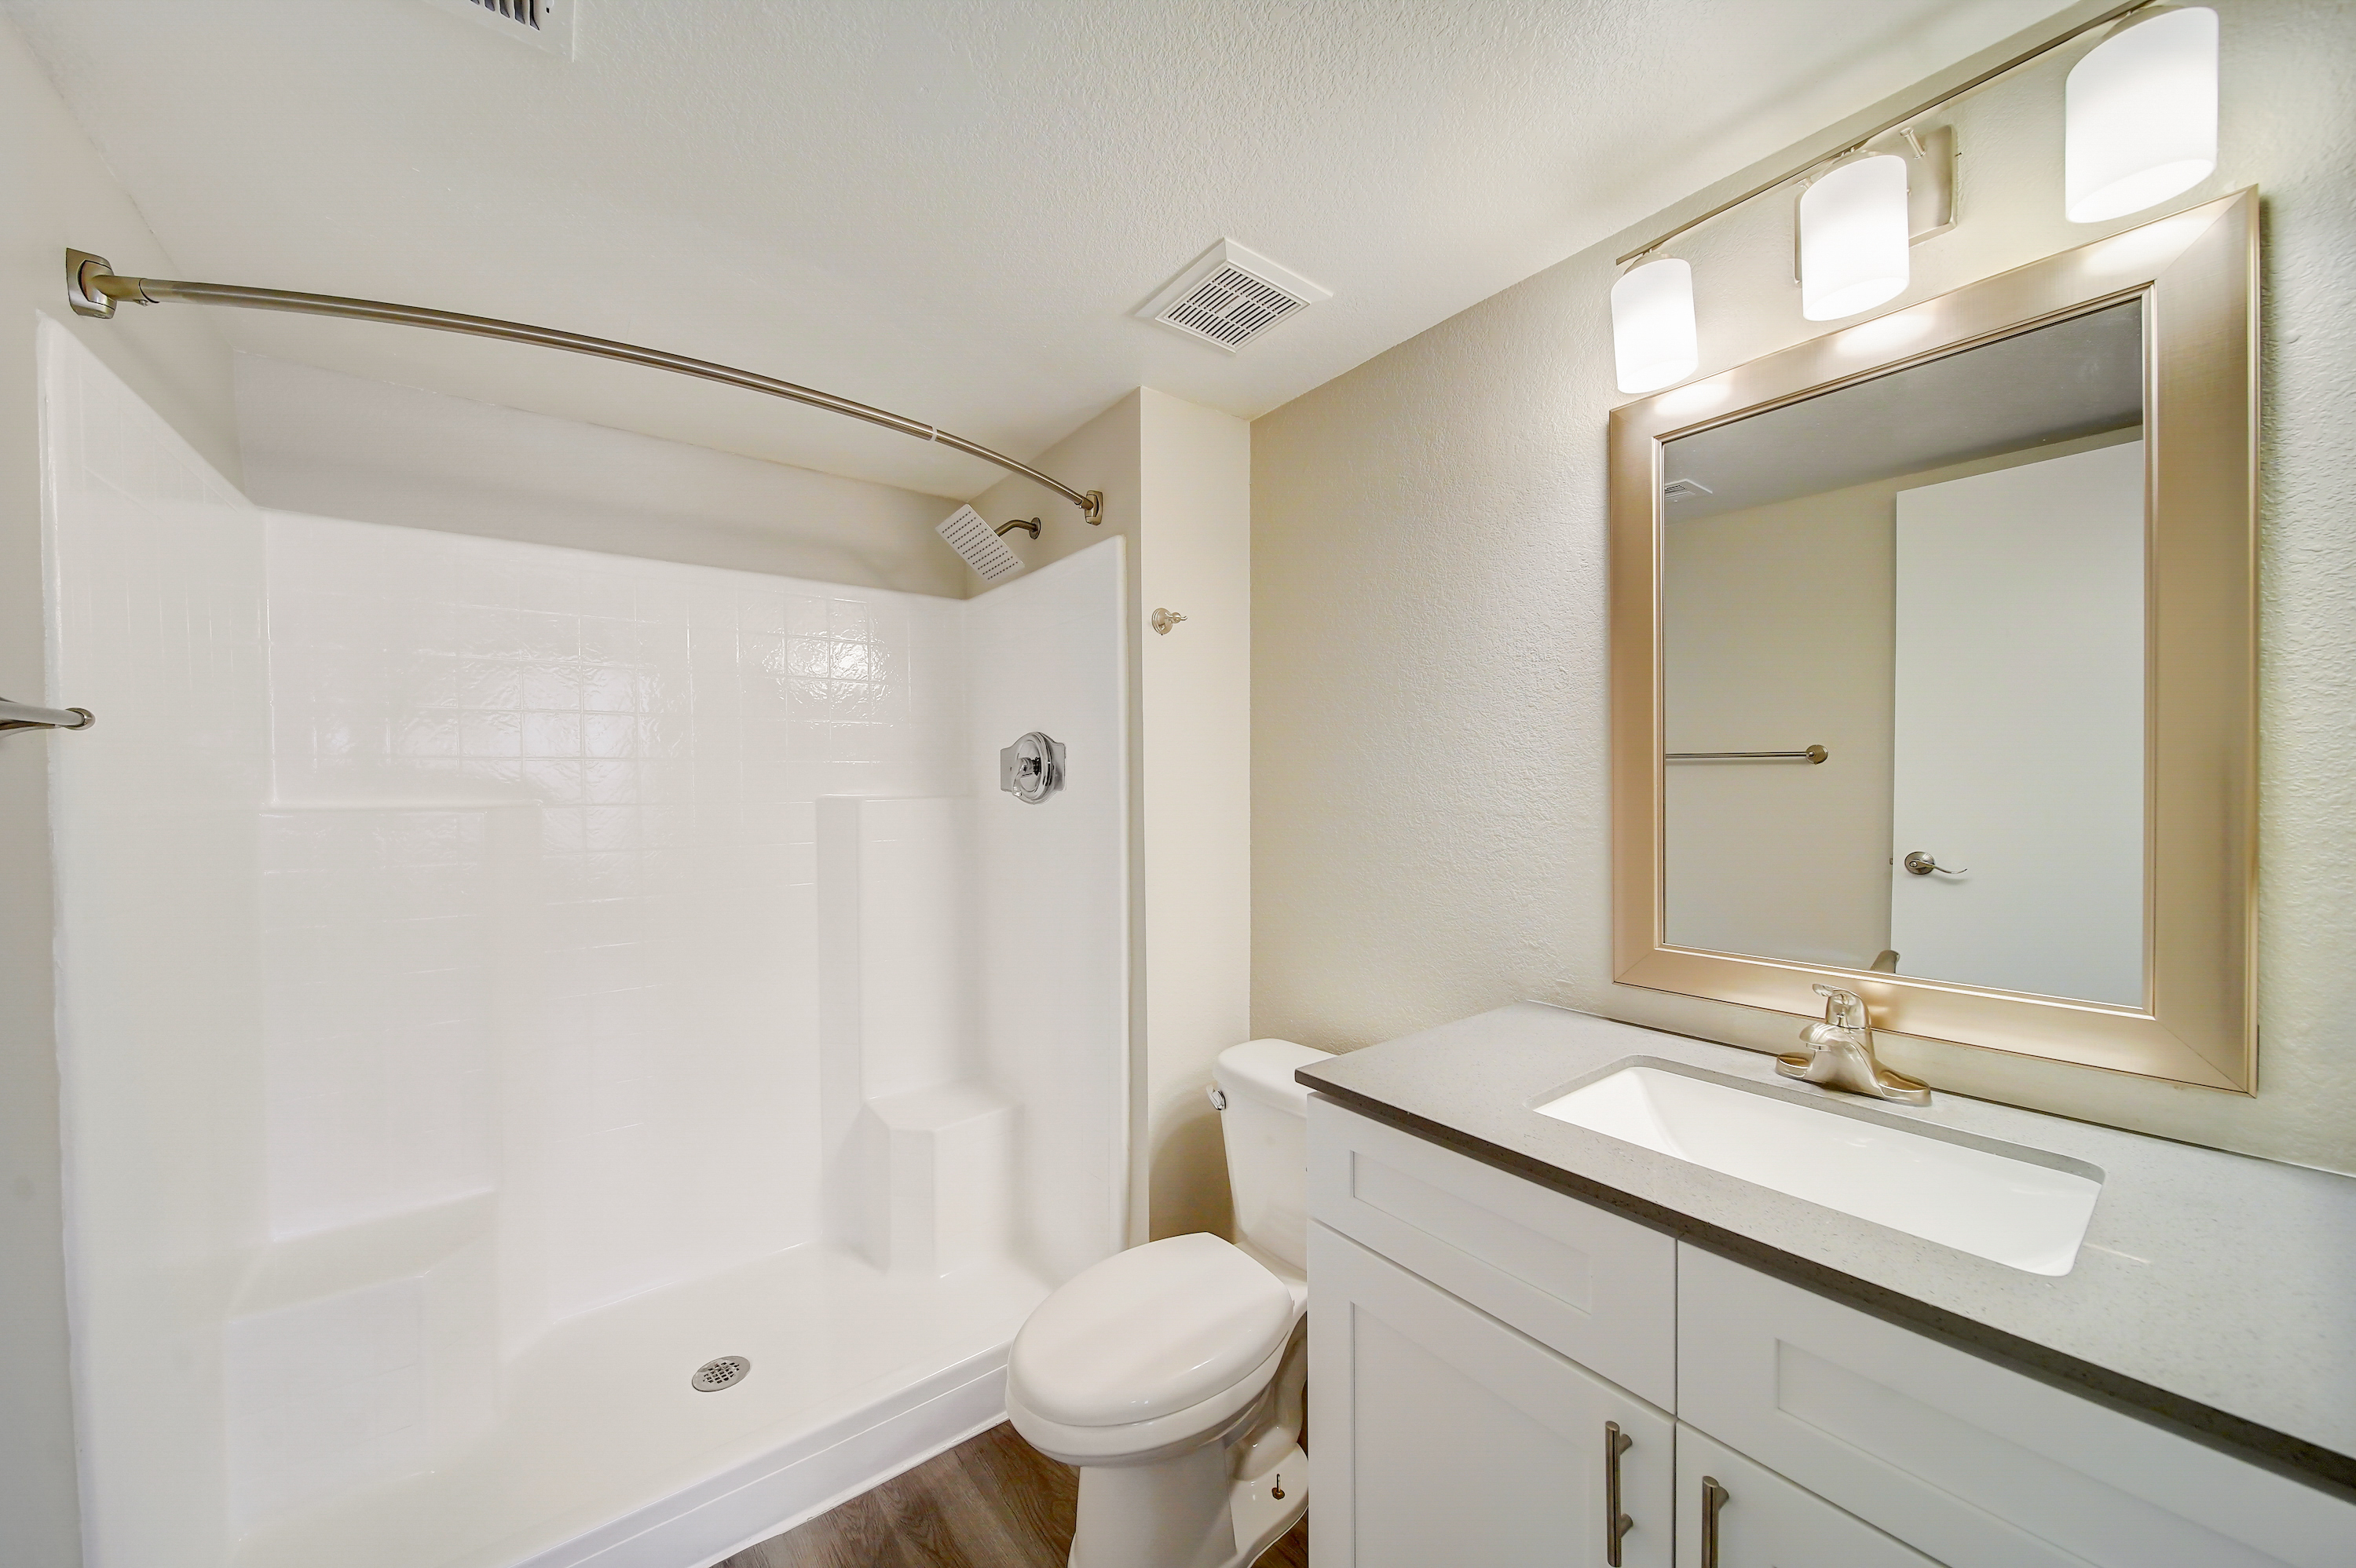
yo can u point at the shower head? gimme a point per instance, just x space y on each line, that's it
979 543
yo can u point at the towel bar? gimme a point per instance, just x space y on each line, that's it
1813 754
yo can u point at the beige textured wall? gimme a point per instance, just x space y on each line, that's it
1431 814
55 191
1196 726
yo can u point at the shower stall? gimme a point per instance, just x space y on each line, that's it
498 981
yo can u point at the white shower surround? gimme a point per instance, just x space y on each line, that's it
496 978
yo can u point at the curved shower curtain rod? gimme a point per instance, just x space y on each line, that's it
93 288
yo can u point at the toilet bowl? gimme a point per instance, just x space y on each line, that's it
1173 1375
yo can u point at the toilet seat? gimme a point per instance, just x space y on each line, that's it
1152 1351
1215 1420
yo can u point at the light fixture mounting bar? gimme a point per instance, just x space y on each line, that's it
93 288
1892 123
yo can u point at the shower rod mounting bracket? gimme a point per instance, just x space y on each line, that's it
82 292
94 288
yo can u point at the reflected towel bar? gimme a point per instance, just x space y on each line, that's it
1813 754
24 716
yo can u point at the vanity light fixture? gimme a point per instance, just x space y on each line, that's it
1653 341
2140 117
1854 231
2141 126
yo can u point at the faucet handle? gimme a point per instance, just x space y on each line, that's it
1843 1010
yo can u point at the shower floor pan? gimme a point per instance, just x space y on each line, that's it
604 1454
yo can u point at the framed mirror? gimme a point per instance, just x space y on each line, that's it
1934 664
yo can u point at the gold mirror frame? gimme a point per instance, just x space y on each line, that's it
2197 274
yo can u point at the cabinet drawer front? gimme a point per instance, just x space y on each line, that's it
1599 1288
1440 1436
1765 1521
1976 1465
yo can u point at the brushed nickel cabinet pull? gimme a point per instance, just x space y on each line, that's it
1713 1498
1615 1523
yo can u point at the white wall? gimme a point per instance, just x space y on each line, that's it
1432 813
340 446
55 191
1045 651
1177 482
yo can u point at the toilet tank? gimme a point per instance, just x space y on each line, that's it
1265 1121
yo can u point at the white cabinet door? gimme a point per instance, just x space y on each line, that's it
1595 1286
1979 1464
1439 1436
1733 1513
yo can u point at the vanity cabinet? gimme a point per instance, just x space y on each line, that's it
1594 1286
1733 1513
1979 1465
1472 1334
1442 1437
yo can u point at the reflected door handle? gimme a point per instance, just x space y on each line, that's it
1922 863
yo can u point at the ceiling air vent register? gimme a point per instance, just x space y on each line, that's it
547 24
1230 295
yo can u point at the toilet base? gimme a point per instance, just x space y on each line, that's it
1186 1512
1261 1519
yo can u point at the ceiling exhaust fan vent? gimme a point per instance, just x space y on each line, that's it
546 23
1230 295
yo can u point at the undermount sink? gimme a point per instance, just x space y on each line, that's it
2000 1201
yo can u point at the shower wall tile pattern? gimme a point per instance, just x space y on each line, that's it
593 777
381 935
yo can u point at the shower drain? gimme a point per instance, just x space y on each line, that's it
725 1372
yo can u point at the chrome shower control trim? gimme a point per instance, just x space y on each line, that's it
1033 768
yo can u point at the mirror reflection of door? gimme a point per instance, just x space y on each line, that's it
1936 577
2019 748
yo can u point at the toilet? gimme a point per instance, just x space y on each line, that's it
1174 1374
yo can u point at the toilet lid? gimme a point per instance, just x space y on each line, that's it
1149 1331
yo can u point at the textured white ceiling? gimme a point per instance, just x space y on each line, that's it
949 209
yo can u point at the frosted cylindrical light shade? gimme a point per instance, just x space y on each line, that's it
2141 115
1853 235
1653 342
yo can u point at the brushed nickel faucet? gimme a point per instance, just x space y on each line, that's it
1841 1054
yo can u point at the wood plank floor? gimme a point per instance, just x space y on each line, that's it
991 1502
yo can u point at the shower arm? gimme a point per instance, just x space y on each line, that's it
93 288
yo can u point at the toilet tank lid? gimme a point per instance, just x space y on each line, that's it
1263 1069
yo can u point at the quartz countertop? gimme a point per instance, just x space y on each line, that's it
2213 1290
